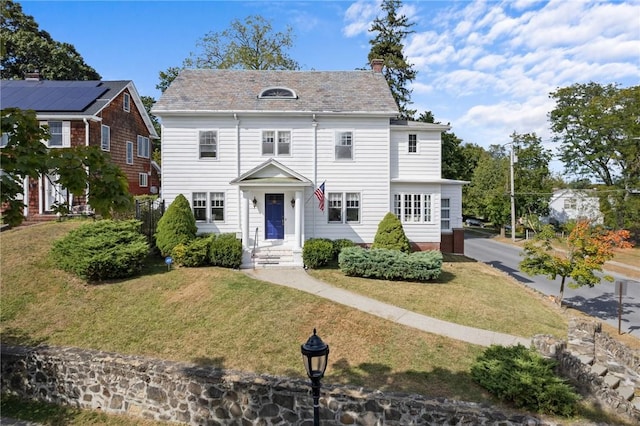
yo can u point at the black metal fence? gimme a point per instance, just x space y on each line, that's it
149 213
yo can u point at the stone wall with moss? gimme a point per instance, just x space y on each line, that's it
198 395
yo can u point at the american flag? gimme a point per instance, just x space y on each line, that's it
320 195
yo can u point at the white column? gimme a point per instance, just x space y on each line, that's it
297 243
244 220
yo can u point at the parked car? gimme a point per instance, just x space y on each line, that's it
474 222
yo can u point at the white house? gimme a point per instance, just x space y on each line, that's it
255 151
573 204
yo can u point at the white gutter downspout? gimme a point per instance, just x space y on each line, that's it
314 123
243 226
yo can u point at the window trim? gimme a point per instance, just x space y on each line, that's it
51 134
276 142
129 152
146 142
424 212
338 138
143 180
448 210
211 206
415 144
126 102
193 205
215 157
344 207
285 93
105 146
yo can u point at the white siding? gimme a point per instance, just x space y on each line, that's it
422 232
378 155
424 164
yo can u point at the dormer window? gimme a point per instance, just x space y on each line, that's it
278 93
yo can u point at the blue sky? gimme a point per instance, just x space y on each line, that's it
485 67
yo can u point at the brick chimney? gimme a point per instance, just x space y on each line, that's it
32 76
377 64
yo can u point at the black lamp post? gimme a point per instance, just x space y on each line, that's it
315 354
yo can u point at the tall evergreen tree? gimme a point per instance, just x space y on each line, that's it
25 48
391 30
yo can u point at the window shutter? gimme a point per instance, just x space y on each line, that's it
66 134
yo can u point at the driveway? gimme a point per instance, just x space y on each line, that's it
599 301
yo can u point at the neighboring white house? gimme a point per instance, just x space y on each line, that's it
574 204
252 149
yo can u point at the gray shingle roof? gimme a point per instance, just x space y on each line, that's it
239 90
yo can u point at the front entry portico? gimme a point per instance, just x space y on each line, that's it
272 210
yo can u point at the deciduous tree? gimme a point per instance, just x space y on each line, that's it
75 168
588 248
388 44
598 128
26 48
251 45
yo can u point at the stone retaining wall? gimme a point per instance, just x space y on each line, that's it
597 364
197 395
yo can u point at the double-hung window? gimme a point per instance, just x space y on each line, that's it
344 207
276 142
143 180
199 201
208 140
105 138
143 146
214 205
217 206
344 146
445 214
55 130
129 152
570 204
413 144
413 208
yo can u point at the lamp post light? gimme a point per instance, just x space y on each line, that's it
315 354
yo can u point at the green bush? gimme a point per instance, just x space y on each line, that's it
193 254
102 250
176 226
339 244
317 252
225 250
524 378
390 235
390 264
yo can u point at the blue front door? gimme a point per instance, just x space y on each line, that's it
274 216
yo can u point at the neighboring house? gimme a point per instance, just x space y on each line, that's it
108 114
255 152
574 204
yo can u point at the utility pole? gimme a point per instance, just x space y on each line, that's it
514 159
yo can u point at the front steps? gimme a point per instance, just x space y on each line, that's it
273 257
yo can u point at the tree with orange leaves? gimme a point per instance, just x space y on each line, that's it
589 247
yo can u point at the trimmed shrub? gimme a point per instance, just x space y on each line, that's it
102 250
193 254
339 244
390 235
390 264
521 376
176 226
317 252
225 250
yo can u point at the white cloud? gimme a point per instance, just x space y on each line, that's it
359 16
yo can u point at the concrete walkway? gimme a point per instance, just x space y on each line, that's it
299 279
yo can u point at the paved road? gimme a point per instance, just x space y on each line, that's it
599 301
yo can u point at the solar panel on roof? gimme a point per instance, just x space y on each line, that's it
49 96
